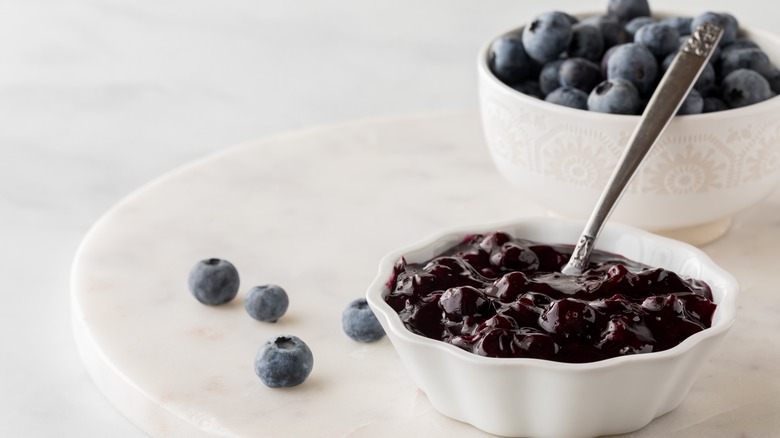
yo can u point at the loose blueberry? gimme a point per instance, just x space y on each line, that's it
586 42
661 39
727 21
549 76
266 303
692 104
580 73
283 362
745 87
214 281
360 323
547 36
682 24
569 96
508 60
635 63
615 96
625 10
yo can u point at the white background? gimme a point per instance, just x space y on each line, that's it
97 97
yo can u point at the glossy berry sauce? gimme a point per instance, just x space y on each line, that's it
498 296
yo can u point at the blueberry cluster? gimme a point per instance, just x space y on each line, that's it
612 63
498 296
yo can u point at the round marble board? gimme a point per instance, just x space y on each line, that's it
314 211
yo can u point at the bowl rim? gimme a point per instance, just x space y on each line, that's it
484 72
378 289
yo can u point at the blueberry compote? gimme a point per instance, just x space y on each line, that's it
499 296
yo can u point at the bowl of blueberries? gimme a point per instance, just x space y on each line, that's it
496 336
561 95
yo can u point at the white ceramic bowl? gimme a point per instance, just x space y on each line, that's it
705 169
540 398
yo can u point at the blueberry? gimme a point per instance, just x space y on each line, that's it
635 63
507 59
529 87
568 96
635 23
727 21
214 281
580 73
548 78
661 39
615 96
605 59
612 29
360 323
266 303
625 10
547 36
750 58
713 104
745 87
740 43
586 42
692 104
682 24
773 77
284 361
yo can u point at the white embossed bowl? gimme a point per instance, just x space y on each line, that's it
705 169
540 398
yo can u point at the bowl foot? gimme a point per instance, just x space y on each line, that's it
698 235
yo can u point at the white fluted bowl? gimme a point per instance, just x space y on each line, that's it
705 169
540 398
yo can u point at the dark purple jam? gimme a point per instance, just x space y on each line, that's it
498 296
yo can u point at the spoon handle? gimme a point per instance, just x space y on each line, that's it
666 100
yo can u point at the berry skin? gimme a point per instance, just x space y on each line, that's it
612 29
636 23
214 281
284 361
661 39
745 87
530 88
266 303
586 42
626 10
693 104
727 21
615 96
750 58
360 323
549 76
580 73
635 63
547 36
682 24
569 96
508 60
713 104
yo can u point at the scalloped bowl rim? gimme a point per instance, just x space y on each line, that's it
723 319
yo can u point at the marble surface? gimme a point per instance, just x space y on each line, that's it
100 97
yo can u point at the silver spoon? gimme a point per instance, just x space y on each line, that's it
666 100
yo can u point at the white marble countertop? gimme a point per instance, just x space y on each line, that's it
99 97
